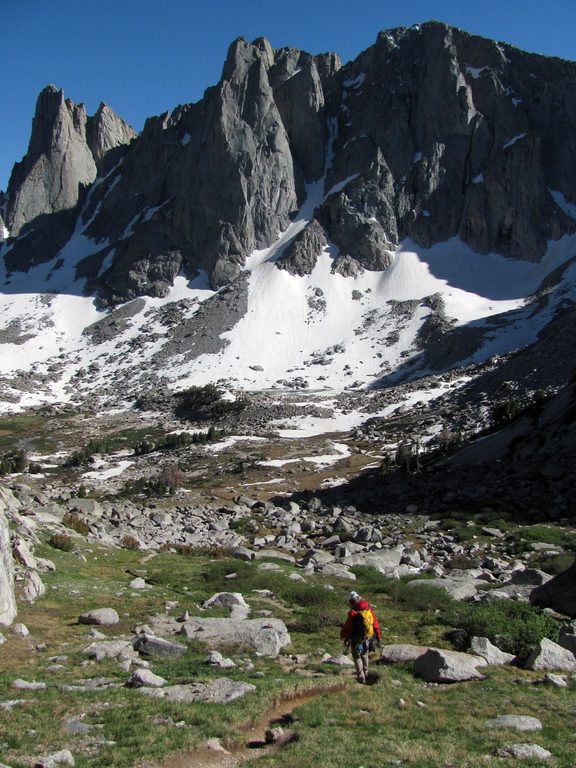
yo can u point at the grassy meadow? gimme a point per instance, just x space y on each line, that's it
396 720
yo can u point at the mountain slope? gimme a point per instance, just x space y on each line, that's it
304 224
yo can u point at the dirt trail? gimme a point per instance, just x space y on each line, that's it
254 735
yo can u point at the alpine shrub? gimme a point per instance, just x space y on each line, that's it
61 541
513 626
12 461
76 523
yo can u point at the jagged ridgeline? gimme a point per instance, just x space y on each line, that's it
429 134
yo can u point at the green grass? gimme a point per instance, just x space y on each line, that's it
365 726
380 724
33 428
549 534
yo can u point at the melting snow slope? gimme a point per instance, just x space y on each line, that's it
329 330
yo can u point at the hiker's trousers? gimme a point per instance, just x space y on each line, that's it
360 657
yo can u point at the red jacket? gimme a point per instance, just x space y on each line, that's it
361 605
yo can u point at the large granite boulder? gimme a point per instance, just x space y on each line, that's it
383 560
518 722
481 646
150 645
265 636
104 617
559 593
549 656
401 653
458 589
440 666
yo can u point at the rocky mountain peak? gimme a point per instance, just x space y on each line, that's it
106 131
59 162
429 135
242 55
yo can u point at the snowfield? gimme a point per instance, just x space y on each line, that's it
323 330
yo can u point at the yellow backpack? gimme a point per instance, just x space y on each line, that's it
363 624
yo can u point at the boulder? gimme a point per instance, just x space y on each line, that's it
337 571
481 646
150 645
109 649
439 666
383 560
559 593
23 553
524 752
518 722
456 588
401 653
33 587
219 691
549 656
143 677
265 636
56 759
340 660
27 685
557 681
215 659
530 576
103 617
264 554
568 637
226 600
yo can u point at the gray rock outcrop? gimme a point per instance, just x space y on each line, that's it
106 131
8 609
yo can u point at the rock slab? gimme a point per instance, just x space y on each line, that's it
219 691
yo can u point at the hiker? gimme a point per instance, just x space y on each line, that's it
360 632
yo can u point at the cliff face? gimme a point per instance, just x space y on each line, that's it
8 608
64 149
430 134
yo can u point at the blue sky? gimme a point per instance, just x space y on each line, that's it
144 57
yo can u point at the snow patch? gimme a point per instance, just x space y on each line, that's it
568 208
476 72
356 82
514 140
339 186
